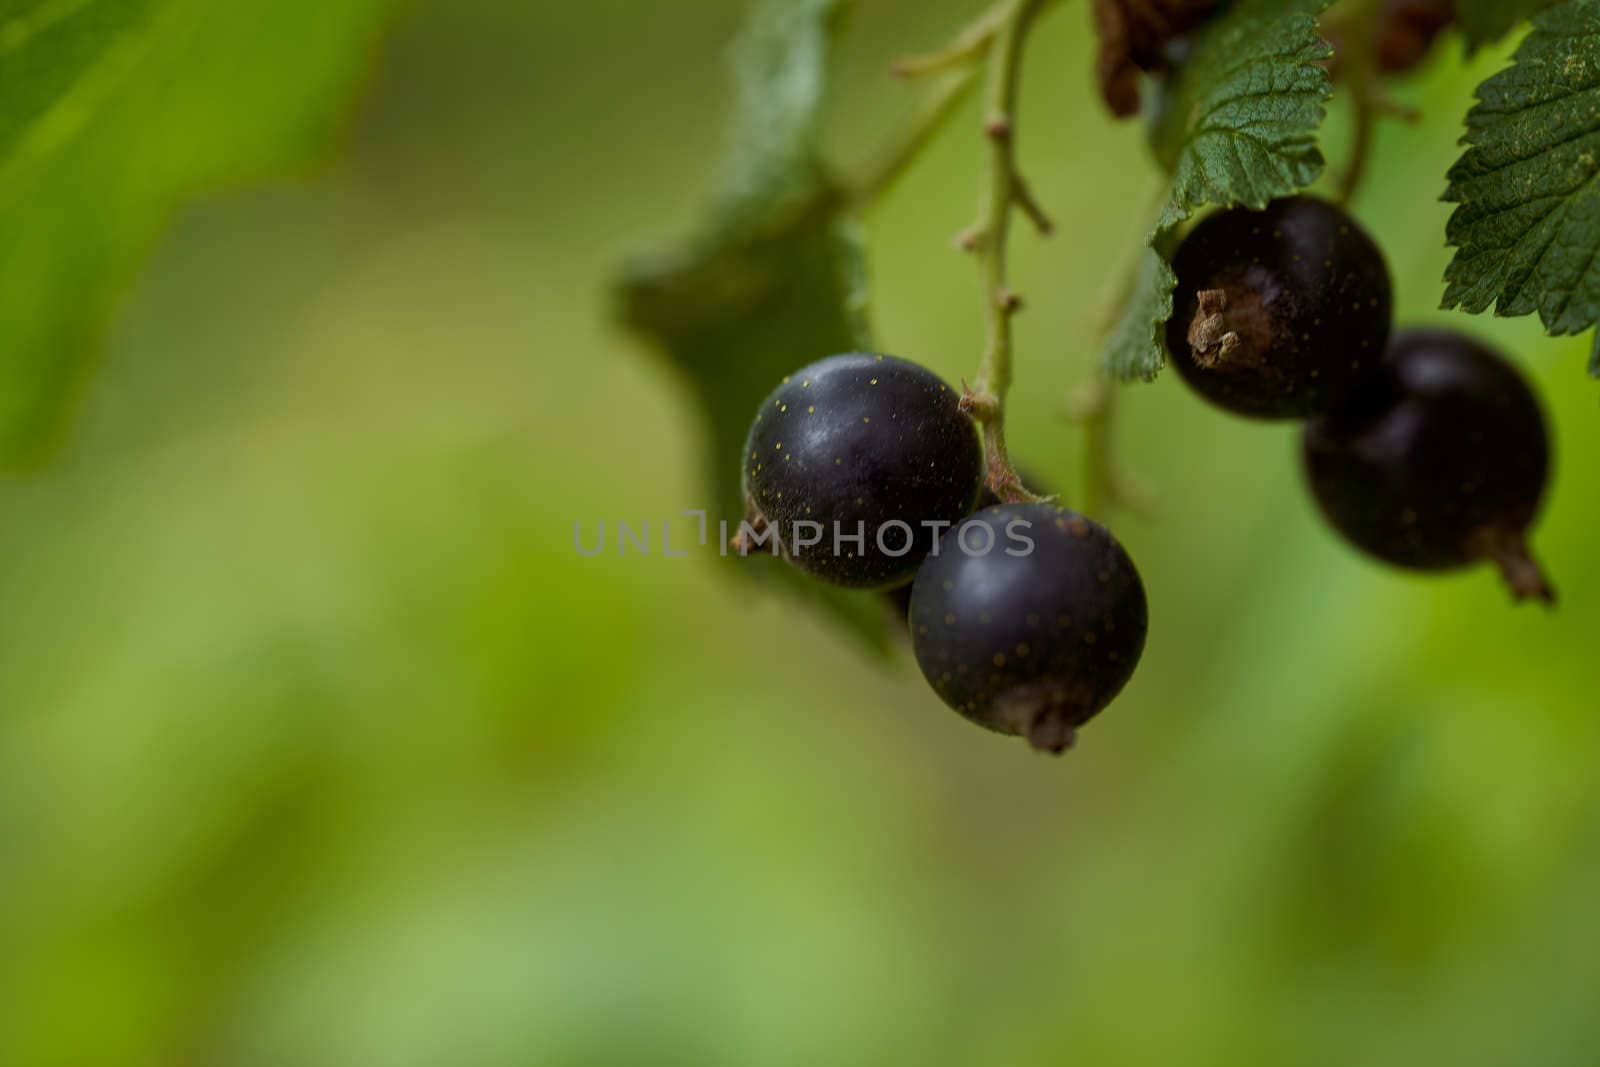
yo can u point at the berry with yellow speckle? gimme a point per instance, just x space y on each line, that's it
858 462
1438 461
1036 635
899 598
1278 311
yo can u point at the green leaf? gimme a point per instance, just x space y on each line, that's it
1237 125
1135 347
1486 21
774 278
1240 124
1527 222
781 67
113 113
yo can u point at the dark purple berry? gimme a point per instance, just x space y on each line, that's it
1438 460
1277 311
1036 635
866 457
899 598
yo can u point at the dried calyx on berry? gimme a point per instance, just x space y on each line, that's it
1134 37
1278 311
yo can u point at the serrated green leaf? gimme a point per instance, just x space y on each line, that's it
1240 124
775 277
112 114
1237 126
1527 222
1135 348
1486 21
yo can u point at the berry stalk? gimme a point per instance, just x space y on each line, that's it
1363 33
989 239
881 175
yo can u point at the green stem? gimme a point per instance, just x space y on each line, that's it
1354 25
970 44
935 112
1095 415
1094 406
990 237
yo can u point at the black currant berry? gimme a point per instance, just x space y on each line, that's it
1029 620
899 598
857 463
1437 460
1278 311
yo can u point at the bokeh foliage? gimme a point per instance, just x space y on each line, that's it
775 274
114 113
319 744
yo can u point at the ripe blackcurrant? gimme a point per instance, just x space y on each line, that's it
1029 620
1437 460
857 462
899 598
1278 311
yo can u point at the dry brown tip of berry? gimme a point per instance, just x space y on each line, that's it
1231 326
1209 333
1048 714
1508 549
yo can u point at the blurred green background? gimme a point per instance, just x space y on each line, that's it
320 745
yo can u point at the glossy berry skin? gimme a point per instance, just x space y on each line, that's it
1437 461
899 597
852 443
1276 312
1034 644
